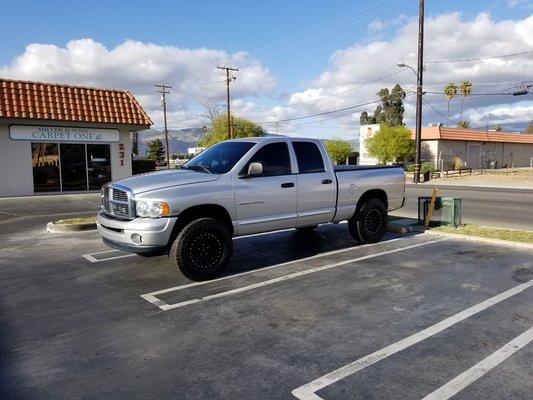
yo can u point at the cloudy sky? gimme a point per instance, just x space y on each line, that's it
298 60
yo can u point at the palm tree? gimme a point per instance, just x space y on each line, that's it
466 90
450 90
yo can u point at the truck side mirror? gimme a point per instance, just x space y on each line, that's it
255 168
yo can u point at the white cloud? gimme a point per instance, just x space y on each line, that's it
136 66
447 37
502 114
351 77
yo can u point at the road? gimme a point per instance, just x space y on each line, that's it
503 208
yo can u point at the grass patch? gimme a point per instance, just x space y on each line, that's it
77 221
490 233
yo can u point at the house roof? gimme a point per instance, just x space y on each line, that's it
57 102
443 133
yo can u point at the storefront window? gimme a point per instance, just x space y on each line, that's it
70 167
45 162
98 165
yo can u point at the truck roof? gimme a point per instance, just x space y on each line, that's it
265 139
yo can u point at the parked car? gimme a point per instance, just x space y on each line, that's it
241 187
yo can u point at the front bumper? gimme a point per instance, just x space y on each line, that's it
154 232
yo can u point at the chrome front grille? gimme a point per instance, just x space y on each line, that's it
120 195
118 201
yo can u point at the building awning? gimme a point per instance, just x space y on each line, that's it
443 133
57 102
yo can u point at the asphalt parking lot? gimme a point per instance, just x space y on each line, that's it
308 317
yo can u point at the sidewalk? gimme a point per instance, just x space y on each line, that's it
504 180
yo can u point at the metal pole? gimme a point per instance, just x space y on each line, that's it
418 130
163 92
228 81
230 131
166 129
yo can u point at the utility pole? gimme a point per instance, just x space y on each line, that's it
228 81
420 70
163 90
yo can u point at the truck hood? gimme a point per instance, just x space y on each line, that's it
162 179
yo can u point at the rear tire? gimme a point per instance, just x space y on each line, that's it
306 229
202 250
369 224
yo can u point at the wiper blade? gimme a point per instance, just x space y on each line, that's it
197 168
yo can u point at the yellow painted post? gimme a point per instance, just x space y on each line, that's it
431 207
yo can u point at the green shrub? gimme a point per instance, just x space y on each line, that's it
427 166
142 166
409 167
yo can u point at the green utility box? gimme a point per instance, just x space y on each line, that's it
447 210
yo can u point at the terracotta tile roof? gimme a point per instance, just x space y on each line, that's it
443 133
56 102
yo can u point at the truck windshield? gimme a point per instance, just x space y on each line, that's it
220 158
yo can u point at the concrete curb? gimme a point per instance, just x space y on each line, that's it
482 239
52 227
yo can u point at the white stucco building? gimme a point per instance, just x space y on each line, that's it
60 138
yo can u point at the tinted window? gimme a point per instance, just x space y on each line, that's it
309 157
219 158
275 159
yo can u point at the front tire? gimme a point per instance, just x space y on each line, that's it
202 250
369 224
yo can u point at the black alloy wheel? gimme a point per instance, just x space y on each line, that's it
202 250
369 224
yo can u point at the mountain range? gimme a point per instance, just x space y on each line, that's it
178 140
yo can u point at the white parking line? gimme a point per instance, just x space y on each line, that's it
151 297
320 255
308 391
90 257
481 368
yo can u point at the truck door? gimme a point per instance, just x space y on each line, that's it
267 202
317 189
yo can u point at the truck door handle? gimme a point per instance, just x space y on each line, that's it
287 185
326 181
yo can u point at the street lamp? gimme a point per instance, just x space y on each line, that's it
418 126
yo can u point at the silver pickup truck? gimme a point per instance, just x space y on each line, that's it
241 187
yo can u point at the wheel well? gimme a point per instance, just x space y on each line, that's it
202 211
378 194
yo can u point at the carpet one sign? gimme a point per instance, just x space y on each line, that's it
63 134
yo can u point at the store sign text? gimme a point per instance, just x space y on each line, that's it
62 134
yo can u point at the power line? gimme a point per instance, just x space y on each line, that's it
479 58
321 113
438 111
308 35
476 94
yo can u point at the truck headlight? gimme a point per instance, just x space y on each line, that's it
152 209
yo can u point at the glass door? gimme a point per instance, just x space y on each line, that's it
98 165
45 163
73 167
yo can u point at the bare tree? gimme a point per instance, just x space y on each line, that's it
213 110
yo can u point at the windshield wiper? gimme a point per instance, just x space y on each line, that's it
197 168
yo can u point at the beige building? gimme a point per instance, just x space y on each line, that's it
60 138
451 148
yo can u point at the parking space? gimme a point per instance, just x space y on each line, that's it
296 316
